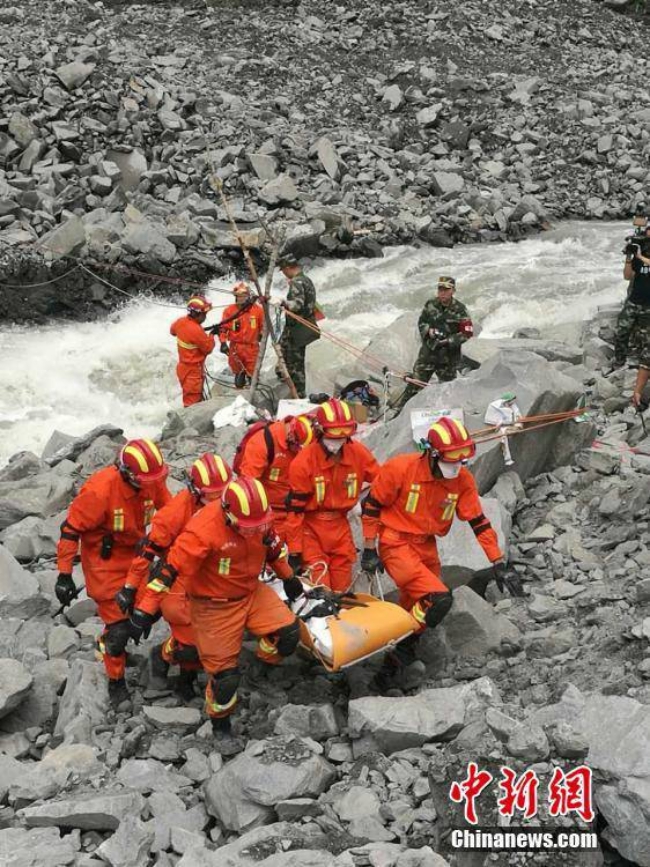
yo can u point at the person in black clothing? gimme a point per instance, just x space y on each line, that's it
635 315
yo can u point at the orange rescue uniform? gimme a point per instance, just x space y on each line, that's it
267 457
243 335
408 508
324 488
221 567
107 519
167 524
194 346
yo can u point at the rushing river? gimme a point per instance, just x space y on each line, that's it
73 376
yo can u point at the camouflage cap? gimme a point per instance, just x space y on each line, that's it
446 283
287 260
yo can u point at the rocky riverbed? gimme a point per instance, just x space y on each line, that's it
343 130
332 777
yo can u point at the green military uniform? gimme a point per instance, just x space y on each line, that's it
633 324
439 353
301 300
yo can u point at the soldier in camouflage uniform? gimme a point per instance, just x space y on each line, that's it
444 325
301 300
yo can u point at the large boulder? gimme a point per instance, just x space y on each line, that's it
83 704
91 811
19 590
392 724
243 794
461 553
539 387
39 706
37 847
15 683
41 495
479 350
474 628
62 447
617 729
29 539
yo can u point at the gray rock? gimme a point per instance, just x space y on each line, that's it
549 642
567 741
57 441
528 742
172 717
478 350
315 721
447 184
242 795
20 466
15 683
10 771
434 715
459 550
24 540
264 166
42 495
625 809
90 812
37 847
84 702
328 157
148 775
428 117
129 845
39 706
132 166
66 239
357 803
279 191
17 586
502 725
73 75
148 238
508 490
61 641
393 97
474 628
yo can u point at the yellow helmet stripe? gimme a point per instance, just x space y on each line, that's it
308 428
155 450
442 432
202 471
262 492
140 458
240 493
221 467
462 430
329 411
346 410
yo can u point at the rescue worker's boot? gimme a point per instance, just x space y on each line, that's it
158 668
185 685
400 669
118 693
225 741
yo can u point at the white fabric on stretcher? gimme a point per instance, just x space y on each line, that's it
318 626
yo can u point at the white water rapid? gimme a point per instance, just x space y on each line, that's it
75 376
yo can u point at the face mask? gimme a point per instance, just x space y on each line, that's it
333 446
449 470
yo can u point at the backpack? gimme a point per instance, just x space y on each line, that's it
253 429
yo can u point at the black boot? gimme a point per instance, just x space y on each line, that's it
225 741
158 669
185 685
118 693
400 670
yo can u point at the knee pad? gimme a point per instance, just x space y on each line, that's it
288 638
224 686
437 606
116 636
186 653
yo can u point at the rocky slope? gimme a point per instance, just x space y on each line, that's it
333 777
438 122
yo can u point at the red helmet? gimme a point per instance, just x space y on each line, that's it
198 304
241 288
335 419
142 462
300 432
448 439
210 474
246 504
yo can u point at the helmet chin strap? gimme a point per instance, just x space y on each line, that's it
128 477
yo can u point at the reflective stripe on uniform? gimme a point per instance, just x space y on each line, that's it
157 586
413 499
184 345
213 708
118 520
267 647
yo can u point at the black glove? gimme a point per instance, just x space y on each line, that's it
295 561
508 580
162 576
370 561
225 349
213 330
293 588
140 624
125 598
65 588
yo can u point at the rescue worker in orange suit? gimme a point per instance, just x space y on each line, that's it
106 520
268 456
240 333
194 345
206 480
414 499
220 555
326 480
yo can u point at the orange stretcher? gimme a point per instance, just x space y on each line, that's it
359 626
